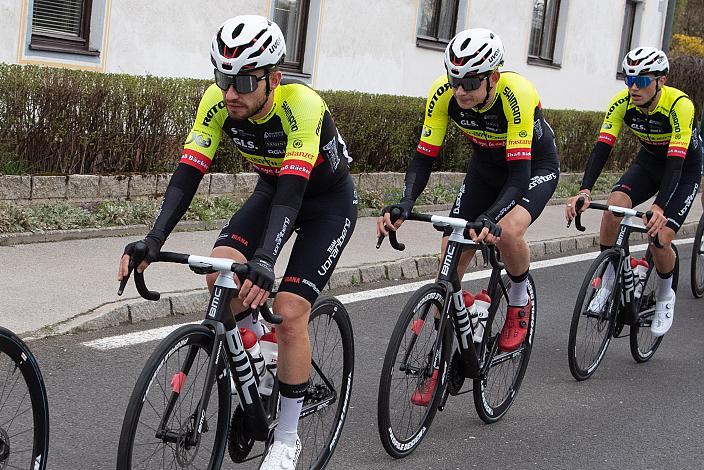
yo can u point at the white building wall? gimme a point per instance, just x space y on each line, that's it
353 44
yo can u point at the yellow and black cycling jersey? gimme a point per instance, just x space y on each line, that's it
297 136
510 127
665 131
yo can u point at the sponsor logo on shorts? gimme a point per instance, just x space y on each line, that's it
239 238
335 248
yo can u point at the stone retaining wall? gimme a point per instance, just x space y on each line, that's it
88 188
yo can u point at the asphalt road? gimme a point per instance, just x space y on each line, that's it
627 415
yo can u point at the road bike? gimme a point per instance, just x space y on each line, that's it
422 347
180 414
597 317
697 265
24 409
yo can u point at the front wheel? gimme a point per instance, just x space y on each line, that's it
594 315
643 343
327 399
697 267
24 410
413 374
160 419
496 389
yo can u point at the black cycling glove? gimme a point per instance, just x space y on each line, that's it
404 208
261 271
153 247
488 222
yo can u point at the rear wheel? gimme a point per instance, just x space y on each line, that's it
643 342
593 317
327 399
697 266
495 391
416 355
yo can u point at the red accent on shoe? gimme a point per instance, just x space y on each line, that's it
422 395
596 282
515 328
417 325
177 381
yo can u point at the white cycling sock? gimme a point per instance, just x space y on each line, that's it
287 429
518 293
249 323
663 287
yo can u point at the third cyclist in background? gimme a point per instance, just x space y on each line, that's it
668 164
514 169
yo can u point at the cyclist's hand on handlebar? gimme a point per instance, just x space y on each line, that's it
141 258
571 204
259 282
384 223
656 222
491 233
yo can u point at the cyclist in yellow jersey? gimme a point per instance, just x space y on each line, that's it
287 132
668 166
514 168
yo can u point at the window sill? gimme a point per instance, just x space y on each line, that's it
294 73
543 63
437 45
64 50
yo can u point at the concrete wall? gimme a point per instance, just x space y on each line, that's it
352 45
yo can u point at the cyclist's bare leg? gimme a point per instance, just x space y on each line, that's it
664 258
512 245
292 337
230 253
609 222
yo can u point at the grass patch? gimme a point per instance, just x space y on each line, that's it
63 216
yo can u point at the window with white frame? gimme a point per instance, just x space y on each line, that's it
437 21
292 18
544 28
62 26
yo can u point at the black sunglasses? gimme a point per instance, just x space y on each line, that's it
243 83
468 83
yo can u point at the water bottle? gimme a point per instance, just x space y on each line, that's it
482 302
471 308
640 268
270 352
250 343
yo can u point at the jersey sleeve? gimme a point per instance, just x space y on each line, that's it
436 117
519 100
204 138
303 123
682 122
613 120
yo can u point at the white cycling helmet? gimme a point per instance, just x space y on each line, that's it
473 52
643 60
247 42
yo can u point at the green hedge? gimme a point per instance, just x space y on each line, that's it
60 121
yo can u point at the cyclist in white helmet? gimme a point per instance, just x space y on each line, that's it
287 133
513 171
667 166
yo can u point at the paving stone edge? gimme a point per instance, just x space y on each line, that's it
130 311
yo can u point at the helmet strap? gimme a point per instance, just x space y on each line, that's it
268 92
486 98
647 104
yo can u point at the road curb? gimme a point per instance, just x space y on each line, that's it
131 311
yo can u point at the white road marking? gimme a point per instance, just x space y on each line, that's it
138 337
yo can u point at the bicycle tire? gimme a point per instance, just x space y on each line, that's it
326 312
642 342
16 450
400 441
506 370
604 321
201 338
696 277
